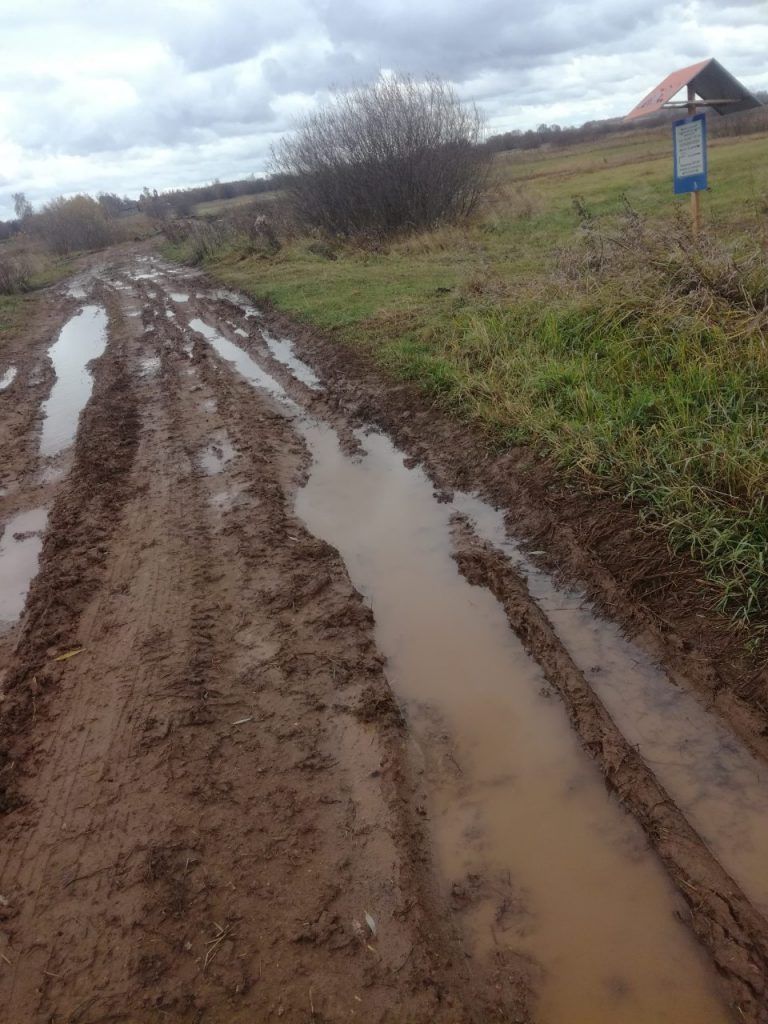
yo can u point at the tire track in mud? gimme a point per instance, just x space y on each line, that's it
721 916
219 789
591 538
80 523
216 790
21 402
262 437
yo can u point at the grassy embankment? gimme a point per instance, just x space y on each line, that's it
46 269
638 364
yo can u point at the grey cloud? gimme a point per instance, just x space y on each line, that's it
158 92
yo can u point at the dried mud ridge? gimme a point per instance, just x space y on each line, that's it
204 803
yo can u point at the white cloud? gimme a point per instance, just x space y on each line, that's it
174 92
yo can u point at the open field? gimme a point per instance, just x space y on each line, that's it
641 378
309 709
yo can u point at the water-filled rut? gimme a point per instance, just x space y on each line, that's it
594 908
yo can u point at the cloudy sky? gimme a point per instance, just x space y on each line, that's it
113 95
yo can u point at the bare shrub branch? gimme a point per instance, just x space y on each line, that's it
398 154
69 225
15 274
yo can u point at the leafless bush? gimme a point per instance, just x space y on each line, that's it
69 225
177 231
399 154
256 226
205 239
15 274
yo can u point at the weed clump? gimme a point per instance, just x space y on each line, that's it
646 369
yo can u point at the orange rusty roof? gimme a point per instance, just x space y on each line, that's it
710 81
665 90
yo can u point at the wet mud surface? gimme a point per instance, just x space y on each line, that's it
294 728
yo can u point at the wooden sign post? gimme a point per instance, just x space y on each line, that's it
689 144
695 198
719 91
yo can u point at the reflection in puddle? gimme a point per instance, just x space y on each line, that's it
20 548
179 296
227 295
248 367
81 339
282 350
8 378
599 908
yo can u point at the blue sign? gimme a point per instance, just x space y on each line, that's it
689 136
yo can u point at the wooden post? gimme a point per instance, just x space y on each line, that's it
695 198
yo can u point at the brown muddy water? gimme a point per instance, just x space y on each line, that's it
80 340
718 784
20 546
593 906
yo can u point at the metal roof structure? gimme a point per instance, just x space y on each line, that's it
716 87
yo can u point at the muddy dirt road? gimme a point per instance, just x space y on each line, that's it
295 728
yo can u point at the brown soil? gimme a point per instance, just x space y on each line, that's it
205 805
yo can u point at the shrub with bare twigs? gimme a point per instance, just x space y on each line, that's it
398 154
15 274
69 225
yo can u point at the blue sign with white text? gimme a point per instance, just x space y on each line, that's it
689 136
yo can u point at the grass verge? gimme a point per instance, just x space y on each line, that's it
598 332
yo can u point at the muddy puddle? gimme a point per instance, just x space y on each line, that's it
718 784
8 378
227 295
248 367
149 365
282 350
81 339
590 903
20 546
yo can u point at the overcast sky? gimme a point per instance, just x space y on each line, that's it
116 94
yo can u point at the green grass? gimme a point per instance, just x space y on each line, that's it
15 310
635 379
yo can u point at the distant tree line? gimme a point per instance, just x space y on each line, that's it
158 205
745 123
180 202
